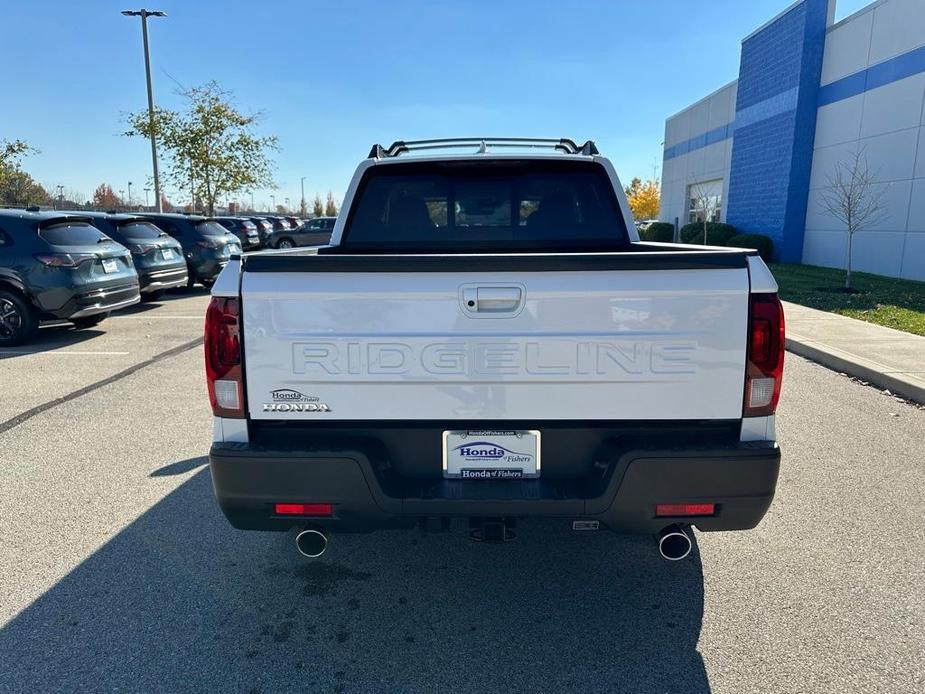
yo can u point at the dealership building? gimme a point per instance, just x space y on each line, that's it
760 152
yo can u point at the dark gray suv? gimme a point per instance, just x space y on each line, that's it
158 257
315 232
207 245
57 265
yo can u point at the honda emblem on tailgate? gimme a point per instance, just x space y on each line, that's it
290 400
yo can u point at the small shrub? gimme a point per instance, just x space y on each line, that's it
717 233
762 244
662 232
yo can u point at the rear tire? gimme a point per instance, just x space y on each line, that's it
89 321
285 243
18 320
152 296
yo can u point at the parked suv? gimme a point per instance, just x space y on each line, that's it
207 245
57 265
264 228
280 223
315 232
244 229
158 258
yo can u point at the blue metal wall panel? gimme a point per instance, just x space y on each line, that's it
772 148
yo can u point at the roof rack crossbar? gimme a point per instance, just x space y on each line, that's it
565 145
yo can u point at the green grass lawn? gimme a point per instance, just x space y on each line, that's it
895 303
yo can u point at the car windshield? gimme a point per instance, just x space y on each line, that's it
211 228
71 234
534 205
139 230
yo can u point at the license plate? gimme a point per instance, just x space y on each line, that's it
110 266
494 455
166 254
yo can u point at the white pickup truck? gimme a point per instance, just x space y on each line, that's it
486 340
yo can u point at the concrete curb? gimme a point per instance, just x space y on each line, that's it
864 369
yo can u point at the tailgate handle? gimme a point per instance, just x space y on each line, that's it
493 299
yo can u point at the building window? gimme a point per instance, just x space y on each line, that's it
705 201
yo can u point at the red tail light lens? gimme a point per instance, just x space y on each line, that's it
223 357
65 259
685 509
765 362
304 509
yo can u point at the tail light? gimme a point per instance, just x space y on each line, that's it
304 509
223 357
765 363
141 248
65 259
662 510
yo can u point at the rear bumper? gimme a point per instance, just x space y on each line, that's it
208 268
165 278
101 300
249 479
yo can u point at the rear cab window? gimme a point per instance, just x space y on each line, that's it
530 205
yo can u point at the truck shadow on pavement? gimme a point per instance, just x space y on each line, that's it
180 601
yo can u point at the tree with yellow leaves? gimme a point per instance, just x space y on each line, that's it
644 198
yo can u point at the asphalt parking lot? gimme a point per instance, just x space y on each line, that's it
118 572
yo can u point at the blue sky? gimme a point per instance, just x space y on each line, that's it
333 78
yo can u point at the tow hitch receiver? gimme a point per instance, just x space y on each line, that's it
492 529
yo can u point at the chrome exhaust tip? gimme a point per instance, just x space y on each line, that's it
674 544
311 543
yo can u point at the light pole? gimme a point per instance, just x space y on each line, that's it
60 194
273 199
144 14
302 206
287 205
129 193
147 190
253 209
122 197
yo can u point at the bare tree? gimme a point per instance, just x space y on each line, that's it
706 203
853 200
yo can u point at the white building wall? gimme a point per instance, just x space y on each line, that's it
888 124
703 163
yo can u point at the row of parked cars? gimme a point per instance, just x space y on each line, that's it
81 266
278 232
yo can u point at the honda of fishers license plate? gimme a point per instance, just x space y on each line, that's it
110 266
167 254
491 455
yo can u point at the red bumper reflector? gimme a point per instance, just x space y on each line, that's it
304 509
685 509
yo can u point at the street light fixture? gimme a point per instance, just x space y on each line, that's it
144 14
129 193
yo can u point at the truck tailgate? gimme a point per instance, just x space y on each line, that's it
499 345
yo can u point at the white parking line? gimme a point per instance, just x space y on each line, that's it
64 351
